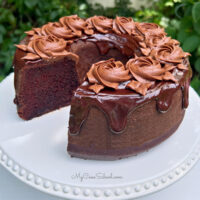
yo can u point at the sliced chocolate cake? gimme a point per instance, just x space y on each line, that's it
127 82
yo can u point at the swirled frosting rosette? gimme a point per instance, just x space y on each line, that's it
146 71
76 24
108 73
46 48
57 30
123 25
100 23
153 34
169 53
150 29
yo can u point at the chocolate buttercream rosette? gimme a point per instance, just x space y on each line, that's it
107 73
46 48
154 36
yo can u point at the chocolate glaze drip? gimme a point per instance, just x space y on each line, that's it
185 85
116 105
185 91
164 100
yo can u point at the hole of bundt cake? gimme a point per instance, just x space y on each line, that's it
48 87
89 53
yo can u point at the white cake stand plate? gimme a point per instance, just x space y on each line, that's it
35 152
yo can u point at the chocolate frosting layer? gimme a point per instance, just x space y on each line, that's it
47 48
146 70
123 25
76 25
149 29
57 30
108 73
169 52
100 23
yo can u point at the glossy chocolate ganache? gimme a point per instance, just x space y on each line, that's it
120 90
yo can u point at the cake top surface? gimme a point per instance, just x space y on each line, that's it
154 57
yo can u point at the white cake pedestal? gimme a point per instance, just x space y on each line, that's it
35 152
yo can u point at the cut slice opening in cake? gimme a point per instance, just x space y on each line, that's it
90 53
44 85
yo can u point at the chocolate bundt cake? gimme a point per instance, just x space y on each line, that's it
127 83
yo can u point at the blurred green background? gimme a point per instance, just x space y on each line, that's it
180 18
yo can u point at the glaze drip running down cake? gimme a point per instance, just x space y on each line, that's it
127 83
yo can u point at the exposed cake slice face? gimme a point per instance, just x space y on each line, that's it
44 87
44 78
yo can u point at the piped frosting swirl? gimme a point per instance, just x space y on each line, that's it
149 29
147 70
123 25
108 73
57 30
100 23
169 53
46 48
76 24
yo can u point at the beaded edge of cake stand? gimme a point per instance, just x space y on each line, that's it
125 192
